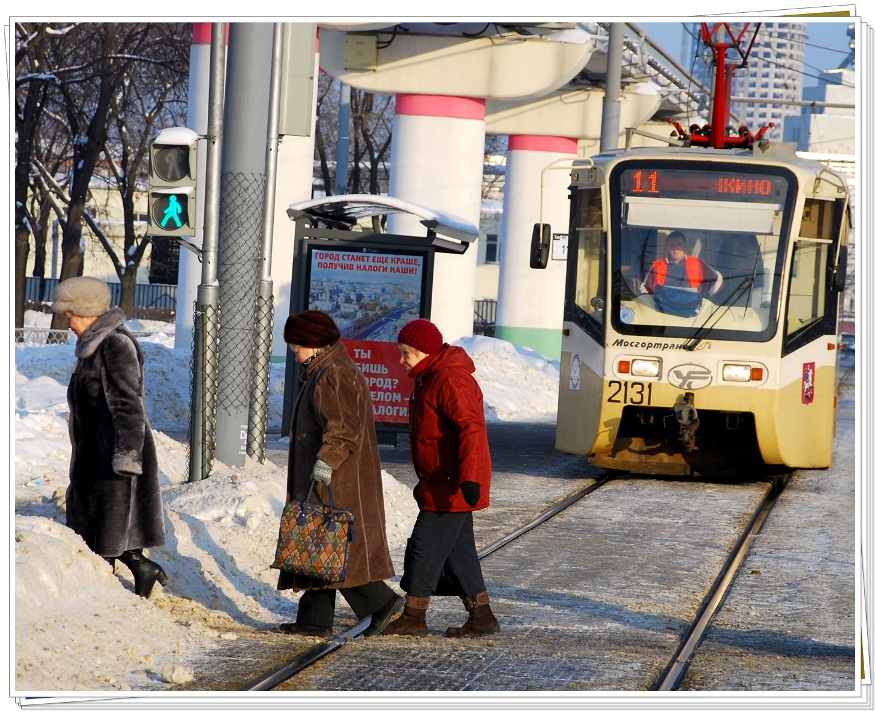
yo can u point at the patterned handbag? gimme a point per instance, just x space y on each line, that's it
314 539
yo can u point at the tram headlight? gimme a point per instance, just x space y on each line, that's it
741 373
645 367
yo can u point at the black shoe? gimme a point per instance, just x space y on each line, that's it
145 571
383 615
317 631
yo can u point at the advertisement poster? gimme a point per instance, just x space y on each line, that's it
371 293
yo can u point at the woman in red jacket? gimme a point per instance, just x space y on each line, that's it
452 459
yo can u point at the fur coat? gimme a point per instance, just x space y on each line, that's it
113 500
333 420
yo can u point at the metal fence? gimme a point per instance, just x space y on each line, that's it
146 296
485 317
38 336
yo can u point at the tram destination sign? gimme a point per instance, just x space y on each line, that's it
703 184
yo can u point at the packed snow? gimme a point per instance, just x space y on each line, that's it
79 626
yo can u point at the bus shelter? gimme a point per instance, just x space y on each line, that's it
371 283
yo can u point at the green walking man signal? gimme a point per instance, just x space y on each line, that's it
173 167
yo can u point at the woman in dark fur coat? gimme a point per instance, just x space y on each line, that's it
113 500
333 441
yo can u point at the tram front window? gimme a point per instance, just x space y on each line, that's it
696 247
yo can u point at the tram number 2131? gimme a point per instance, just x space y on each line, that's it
629 392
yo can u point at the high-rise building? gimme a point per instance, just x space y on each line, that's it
774 73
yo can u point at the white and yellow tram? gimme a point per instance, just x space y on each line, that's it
736 374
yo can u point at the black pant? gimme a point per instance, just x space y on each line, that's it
441 557
317 606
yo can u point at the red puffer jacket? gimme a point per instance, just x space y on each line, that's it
448 432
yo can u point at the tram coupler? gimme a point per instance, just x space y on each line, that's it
688 421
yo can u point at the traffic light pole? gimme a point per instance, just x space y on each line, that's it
256 444
240 225
206 319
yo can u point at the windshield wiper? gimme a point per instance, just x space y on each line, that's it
745 285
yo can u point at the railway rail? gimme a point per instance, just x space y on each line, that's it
671 672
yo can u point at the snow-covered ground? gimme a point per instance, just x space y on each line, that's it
79 627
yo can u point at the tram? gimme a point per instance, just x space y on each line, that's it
727 362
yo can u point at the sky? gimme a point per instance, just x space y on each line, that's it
72 614
826 47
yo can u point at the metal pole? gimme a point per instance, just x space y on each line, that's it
247 96
256 444
342 156
611 104
205 353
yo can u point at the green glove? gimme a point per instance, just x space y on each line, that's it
322 472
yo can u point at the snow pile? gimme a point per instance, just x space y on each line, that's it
78 625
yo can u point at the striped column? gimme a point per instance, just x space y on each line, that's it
530 301
437 161
294 183
197 120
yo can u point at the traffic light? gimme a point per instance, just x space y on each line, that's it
173 171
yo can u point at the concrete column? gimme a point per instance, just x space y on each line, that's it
530 301
437 161
294 183
247 92
196 119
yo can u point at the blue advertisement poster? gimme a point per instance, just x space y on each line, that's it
370 294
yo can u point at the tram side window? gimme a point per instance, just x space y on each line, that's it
818 219
590 266
589 286
808 288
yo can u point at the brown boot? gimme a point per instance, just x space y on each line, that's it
412 621
481 620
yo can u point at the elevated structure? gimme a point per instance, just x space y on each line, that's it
541 84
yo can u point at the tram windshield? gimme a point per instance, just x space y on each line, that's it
697 246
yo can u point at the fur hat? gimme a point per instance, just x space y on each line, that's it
83 296
422 335
313 329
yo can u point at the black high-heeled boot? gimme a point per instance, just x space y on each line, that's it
146 572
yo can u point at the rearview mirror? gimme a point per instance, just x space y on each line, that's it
838 280
541 246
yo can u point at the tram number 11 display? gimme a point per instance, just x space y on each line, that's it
629 392
698 184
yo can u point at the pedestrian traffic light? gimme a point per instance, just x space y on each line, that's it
173 169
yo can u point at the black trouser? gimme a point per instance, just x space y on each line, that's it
441 557
317 606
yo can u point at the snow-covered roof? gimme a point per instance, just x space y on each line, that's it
349 209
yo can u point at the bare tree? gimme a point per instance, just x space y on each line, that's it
106 85
32 83
155 91
370 137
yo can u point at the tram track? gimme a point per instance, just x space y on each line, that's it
304 660
671 678
671 673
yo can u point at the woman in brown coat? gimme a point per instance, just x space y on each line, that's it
332 440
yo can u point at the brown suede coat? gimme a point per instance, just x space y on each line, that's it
333 420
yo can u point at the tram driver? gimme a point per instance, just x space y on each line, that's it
679 281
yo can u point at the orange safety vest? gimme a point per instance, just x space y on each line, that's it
692 265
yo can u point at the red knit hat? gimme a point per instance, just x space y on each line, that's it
313 329
422 335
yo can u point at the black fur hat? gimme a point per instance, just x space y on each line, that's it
313 329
